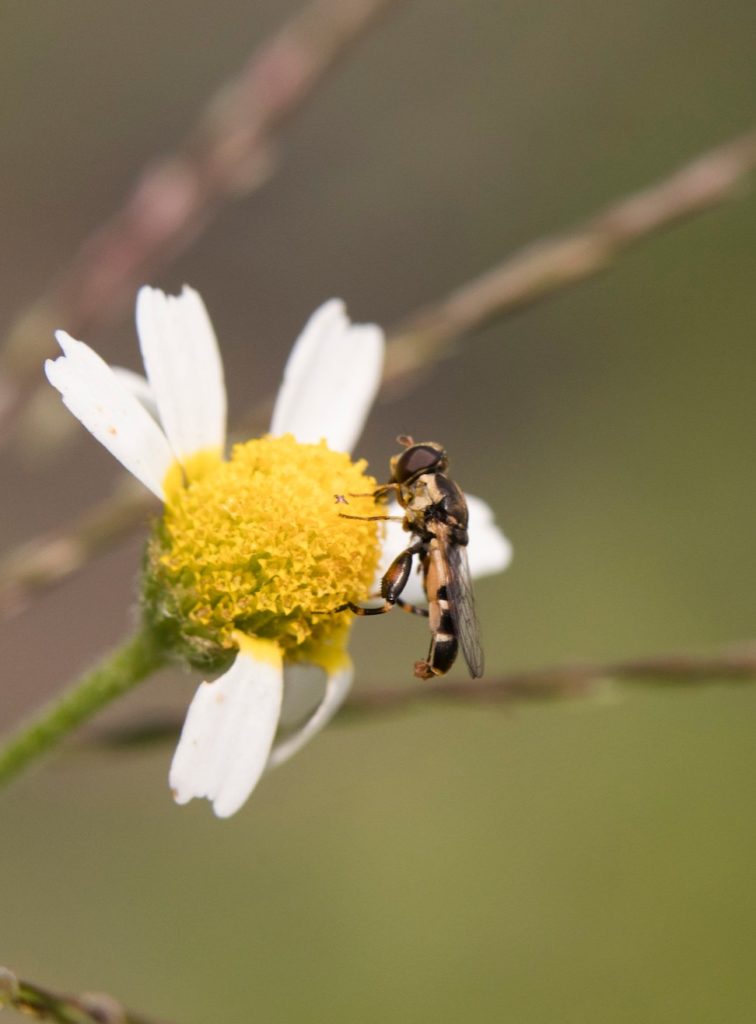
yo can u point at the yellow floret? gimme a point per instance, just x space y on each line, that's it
256 544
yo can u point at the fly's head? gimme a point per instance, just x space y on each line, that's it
416 459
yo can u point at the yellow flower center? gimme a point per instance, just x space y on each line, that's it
256 544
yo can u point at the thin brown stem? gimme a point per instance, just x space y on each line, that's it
540 270
229 153
567 681
549 265
44 1004
574 679
36 565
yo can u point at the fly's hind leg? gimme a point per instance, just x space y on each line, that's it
392 585
359 609
406 606
413 609
395 578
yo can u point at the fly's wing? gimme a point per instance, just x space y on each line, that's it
462 605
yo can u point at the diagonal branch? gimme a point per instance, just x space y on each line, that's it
549 265
42 1003
229 153
574 679
38 564
536 272
570 680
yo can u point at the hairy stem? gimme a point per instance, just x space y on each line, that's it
117 673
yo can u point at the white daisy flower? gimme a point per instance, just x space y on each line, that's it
250 550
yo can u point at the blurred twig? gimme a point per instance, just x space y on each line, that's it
575 679
557 682
551 264
539 270
229 153
38 564
89 1008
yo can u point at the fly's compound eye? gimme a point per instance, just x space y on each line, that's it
420 458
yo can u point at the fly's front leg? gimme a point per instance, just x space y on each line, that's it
381 494
375 495
374 519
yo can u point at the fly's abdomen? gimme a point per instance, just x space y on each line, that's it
444 644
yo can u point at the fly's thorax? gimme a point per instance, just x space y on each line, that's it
415 497
449 496
434 497
256 544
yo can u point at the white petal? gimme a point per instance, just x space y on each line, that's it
304 686
140 388
229 730
184 368
488 551
110 412
330 379
338 684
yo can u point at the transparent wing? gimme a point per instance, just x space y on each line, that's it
462 606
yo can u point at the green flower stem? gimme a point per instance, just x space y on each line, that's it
116 674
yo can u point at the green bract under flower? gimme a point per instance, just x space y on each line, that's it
256 545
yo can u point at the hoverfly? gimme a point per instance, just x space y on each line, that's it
435 514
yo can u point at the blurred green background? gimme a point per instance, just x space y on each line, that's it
576 862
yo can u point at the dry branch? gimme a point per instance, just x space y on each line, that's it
575 679
571 680
551 264
36 565
228 154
